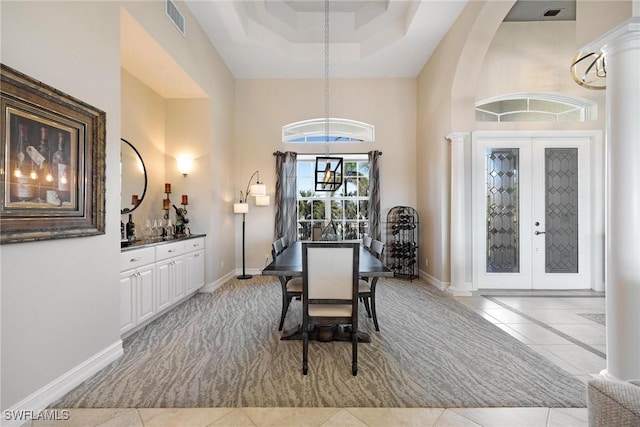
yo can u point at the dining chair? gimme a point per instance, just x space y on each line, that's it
291 286
284 242
276 248
366 242
367 290
330 292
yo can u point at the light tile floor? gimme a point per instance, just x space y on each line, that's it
552 324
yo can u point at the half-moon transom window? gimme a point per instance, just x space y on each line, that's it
535 107
340 130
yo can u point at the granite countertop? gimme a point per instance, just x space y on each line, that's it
154 241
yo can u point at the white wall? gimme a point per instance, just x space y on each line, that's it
264 106
60 299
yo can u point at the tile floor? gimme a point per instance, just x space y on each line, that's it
563 326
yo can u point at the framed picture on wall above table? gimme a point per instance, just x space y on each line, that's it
52 162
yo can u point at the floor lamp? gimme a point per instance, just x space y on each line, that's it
259 191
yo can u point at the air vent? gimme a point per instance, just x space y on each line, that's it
174 14
551 12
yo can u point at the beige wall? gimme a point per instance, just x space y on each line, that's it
596 17
264 106
62 296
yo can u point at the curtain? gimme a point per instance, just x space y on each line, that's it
374 195
286 223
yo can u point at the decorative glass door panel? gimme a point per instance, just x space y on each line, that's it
503 240
561 210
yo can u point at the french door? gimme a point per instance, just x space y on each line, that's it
531 204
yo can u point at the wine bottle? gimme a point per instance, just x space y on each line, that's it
60 162
131 229
23 188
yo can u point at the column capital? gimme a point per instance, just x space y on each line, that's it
457 136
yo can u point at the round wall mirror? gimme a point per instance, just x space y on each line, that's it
133 176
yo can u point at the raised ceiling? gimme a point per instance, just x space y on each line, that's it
285 38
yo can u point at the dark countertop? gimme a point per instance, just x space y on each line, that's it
141 243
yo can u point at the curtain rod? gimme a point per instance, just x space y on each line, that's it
275 153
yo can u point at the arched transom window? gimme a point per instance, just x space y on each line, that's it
535 107
340 130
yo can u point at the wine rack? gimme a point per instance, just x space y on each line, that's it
402 241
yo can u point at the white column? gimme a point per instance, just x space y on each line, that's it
458 244
621 47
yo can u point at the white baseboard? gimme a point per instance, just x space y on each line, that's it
40 399
215 285
433 281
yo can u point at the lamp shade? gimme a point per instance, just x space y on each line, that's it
258 189
263 200
240 208
185 165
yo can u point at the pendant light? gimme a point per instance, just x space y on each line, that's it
328 171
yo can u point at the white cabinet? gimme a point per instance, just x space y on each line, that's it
157 276
194 271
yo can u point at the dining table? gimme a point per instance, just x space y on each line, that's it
289 264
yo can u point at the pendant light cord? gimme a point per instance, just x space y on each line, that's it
326 75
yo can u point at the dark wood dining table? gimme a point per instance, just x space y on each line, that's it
289 264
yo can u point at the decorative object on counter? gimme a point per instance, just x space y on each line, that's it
131 229
166 203
181 219
242 207
328 171
185 165
56 187
402 241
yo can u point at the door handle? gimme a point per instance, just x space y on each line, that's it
539 232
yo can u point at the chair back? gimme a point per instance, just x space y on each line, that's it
276 248
366 242
330 276
377 248
284 243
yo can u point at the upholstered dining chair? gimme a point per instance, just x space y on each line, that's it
291 286
330 292
284 242
366 242
367 290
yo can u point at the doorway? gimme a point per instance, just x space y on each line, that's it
531 211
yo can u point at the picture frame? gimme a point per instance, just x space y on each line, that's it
52 162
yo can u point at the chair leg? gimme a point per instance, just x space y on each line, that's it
285 307
354 350
305 349
373 303
365 301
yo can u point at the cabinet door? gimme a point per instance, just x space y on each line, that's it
163 284
194 271
127 307
146 306
177 265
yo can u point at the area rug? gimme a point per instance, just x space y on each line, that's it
224 350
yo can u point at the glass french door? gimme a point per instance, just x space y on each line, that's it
531 213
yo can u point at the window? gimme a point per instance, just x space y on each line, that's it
341 130
538 107
347 208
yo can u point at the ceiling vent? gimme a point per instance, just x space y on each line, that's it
175 16
551 12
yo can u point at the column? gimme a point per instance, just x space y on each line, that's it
458 244
621 47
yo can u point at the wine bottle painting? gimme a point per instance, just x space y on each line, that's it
41 163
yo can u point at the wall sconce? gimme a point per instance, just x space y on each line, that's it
185 165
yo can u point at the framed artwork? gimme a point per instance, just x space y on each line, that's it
52 162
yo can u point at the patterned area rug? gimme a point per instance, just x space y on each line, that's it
224 350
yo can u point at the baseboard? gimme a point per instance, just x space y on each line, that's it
433 281
215 285
38 401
